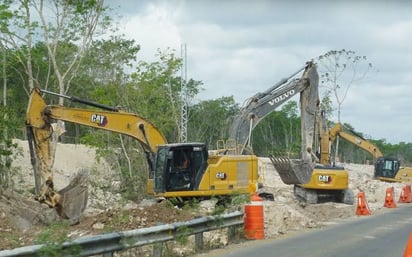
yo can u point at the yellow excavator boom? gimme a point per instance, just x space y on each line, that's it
355 140
71 201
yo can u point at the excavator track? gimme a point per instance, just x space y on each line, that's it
309 196
292 171
313 196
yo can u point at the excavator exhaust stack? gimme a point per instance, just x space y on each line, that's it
292 171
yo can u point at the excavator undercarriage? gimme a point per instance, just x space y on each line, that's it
328 183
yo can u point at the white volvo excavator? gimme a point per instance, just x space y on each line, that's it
291 171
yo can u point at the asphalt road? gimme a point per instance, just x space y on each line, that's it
379 235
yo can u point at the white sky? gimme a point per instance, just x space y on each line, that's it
240 48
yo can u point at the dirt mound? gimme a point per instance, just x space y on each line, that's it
286 213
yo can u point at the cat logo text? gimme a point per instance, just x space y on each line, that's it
100 120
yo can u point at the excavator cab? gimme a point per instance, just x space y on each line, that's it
386 167
179 167
390 170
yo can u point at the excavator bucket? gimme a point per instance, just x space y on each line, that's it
292 171
73 198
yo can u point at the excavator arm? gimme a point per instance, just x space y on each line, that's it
386 168
39 120
260 105
355 140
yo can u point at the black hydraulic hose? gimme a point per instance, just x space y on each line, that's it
283 81
152 154
83 101
33 160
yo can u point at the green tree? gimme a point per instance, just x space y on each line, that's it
72 23
153 91
103 77
209 120
278 132
327 105
7 147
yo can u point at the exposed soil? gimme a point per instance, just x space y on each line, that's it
20 228
23 221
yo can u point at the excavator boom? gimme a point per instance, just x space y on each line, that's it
71 201
355 140
292 171
262 104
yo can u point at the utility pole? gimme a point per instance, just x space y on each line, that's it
184 95
4 63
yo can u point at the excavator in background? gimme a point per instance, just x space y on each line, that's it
386 168
184 170
330 181
256 108
324 180
390 170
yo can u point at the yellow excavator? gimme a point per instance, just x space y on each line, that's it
386 168
390 170
329 182
182 170
324 181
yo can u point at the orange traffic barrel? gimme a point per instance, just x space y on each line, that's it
253 221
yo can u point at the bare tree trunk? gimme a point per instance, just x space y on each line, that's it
4 75
337 150
29 44
4 60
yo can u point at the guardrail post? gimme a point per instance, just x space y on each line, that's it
198 241
157 249
233 233
108 254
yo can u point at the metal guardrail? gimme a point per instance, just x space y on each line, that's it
107 244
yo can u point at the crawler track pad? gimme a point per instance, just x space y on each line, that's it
292 171
74 197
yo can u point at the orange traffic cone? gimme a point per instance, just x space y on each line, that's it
362 206
408 248
406 194
389 202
